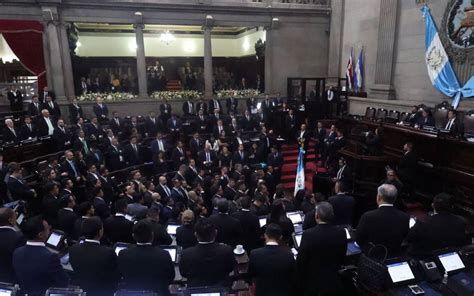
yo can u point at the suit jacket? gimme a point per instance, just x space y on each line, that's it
273 269
26 133
426 121
251 231
178 157
152 128
276 161
101 208
195 147
9 241
386 225
118 229
42 126
188 110
248 124
232 104
33 110
50 209
145 267
16 100
43 269
320 135
137 210
19 190
98 111
343 206
131 156
115 158
207 264
202 125
116 128
61 138
161 236
320 256
165 110
202 158
54 111
75 113
174 125
95 268
94 130
9 136
66 220
201 106
213 105
185 237
229 230
42 96
442 230
407 167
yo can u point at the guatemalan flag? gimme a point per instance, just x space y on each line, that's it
359 71
439 69
299 181
349 74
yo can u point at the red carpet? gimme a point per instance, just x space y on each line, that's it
290 159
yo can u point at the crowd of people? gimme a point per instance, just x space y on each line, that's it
215 184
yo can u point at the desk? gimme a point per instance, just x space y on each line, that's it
452 159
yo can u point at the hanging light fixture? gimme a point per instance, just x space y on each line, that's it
166 37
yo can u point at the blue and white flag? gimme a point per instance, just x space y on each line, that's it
359 71
439 68
299 181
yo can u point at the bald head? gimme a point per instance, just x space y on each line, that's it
9 123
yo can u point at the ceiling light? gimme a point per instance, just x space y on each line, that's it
166 37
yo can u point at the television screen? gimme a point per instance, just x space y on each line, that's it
451 261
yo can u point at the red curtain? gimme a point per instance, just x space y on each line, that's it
25 38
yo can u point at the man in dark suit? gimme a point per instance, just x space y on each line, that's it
116 156
45 93
52 107
439 231
10 239
16 98
407 165
452 124
75 111
426 119
45 124
116 123
162 188
207 158
201 106
144 266
165 112
275 160
178 156
202 122
100 206
28 130
94 130
62 136
247 121
100 110
273 267
10 133
95 266
343 205
251 232
35 107
70 168
232 104
195 145
152 124
321 254
302 137
209 263
386 225
19 190
66 215
229 230
132 152
188 108
240 156
219 128
118 228
174 124
344 174
213 105
37 268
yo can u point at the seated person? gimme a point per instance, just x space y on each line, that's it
10 239
426 119
144 266
95 266
209 263
386 225
36 267
441 230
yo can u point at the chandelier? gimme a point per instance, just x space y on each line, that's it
166 37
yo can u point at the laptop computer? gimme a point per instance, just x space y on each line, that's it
174 252
171 228
56 240
400 273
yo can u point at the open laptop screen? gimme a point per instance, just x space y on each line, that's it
400 272
171 229
54 239
451 261
5 292
262 221
295 217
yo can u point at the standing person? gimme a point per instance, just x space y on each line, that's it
273 267
10 239
16 98
321 254
43 268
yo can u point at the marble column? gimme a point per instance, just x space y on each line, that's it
47 61
55 53
383 87
335 37
66 58
268 59
141 64
208 93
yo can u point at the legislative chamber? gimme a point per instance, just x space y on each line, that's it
236 147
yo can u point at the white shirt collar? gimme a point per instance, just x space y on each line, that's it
68 209
245 210
272 244
35 244
385 205
119 215
8 227
206 243
143 244
92 241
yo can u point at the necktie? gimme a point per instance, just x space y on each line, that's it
29 127
135 149
450 123
339 174
167 190
51 105
241 155
73 168
160 145
202 118
153 120
36 105
13 131
86 148
180 151
208 158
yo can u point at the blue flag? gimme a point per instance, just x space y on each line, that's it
439 68
299 181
